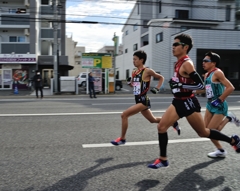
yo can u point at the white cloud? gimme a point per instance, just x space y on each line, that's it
95 36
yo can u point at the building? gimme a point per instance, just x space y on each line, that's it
27 40
111 50
152 25
74 54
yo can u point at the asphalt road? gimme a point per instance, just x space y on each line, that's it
62 144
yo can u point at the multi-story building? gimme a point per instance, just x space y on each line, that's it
153 24
27 40
74 54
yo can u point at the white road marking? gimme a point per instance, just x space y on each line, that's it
144 143
89 113
170 101
126 90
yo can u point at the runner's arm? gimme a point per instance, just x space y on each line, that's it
228 85
160 78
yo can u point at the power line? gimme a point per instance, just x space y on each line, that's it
100 22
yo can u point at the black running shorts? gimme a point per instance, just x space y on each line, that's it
144 99
185 107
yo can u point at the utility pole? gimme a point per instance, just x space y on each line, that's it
115 40
55 45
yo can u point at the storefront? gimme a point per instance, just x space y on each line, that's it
15 69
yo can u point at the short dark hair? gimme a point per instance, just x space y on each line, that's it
186 39
214 57
141 55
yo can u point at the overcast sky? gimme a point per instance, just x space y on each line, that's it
95 36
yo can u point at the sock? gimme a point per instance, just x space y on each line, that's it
163 141
229 118
222 150
214 134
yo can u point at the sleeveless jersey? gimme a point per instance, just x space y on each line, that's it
181 92
140 87
213 89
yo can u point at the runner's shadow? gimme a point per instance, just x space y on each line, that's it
79 181
189 179
186 180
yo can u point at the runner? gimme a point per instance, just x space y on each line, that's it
140 82
185 104
217 86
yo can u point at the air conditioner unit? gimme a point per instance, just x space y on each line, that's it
26 3
26 32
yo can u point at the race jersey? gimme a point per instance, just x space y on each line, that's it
181 92
140 87
213 89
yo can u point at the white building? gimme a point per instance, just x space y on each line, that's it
74 54
27 40
152 25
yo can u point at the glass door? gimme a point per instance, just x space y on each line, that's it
6 79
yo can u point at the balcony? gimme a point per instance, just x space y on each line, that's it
18 48
8 20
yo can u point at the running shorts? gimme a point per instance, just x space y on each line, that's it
220 109
185 107
144 99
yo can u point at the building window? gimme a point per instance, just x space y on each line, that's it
78 62
159 6
228 12
126 32
159 37
127 74
135 27
181 14
145 22
21 38
17 39
144 40
45 2
12 10
12 39
135 47
126 50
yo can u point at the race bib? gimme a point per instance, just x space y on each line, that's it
136 88
175 90
209 91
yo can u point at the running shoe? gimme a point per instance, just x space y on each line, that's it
158 164
236 145
118 141
217 154
177 128
234 120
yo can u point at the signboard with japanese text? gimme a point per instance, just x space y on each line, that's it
17 58
96 60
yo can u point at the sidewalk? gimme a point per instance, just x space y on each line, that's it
9 94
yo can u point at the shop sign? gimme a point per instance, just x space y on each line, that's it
18 58
96 60
11 66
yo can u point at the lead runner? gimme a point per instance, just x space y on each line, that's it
184 103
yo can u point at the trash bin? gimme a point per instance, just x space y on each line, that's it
68 84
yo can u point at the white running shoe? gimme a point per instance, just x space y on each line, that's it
217 154
235 120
